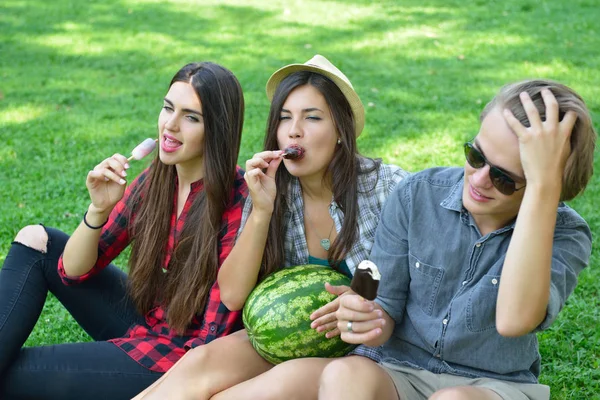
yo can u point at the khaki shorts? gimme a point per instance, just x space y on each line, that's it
417 384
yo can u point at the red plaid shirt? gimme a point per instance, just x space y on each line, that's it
154 345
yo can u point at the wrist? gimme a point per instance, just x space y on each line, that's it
545 190
261 217
95 218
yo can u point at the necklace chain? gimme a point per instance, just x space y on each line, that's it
325 242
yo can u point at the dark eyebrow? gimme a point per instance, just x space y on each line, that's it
516 177
306 110
187 110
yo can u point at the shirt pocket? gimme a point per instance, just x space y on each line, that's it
481 307
425 282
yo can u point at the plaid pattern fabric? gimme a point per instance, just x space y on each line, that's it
374 353
373 189
154 345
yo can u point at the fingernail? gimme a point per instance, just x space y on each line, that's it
123 173
105 179
122 181
126 165
379 313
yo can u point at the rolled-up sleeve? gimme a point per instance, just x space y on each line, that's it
571 252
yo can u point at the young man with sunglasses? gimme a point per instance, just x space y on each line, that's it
476 260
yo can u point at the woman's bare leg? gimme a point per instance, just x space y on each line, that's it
292 380
358 378
209 369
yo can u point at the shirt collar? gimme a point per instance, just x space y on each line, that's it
195 186
454 199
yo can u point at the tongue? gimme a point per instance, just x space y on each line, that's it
172 143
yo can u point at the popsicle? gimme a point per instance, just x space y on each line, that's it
143 149
293 152
366 280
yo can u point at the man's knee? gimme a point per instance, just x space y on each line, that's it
33 236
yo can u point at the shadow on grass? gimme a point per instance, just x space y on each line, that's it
83 80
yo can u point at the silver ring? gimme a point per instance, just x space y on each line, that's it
349 326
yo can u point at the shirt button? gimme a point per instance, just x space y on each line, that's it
438 356
212 328
494 281
445 321
417 264
478 245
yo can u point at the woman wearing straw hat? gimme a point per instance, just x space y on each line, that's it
318 201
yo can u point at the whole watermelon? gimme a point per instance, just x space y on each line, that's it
277 314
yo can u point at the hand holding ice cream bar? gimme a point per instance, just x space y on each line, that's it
143 149
366 280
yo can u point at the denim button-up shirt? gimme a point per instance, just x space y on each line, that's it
440 280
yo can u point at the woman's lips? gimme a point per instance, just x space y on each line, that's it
169 144
293 152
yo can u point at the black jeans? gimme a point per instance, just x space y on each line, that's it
95 370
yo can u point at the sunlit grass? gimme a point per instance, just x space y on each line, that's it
82 80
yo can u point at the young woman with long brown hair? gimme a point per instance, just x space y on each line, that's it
320 209
181 216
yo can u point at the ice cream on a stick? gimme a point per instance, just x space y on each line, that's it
143 149
366 280
293 152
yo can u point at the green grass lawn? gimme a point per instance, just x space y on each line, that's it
81 80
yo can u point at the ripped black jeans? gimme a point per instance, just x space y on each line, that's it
95 370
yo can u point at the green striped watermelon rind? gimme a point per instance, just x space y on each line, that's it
278 321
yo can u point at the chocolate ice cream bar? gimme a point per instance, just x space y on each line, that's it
293 152
366 280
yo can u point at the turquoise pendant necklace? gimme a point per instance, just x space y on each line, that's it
326 242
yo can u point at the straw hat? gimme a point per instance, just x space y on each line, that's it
324 67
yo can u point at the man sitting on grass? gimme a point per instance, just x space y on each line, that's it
476 260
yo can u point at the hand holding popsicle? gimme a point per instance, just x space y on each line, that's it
359 319
106 182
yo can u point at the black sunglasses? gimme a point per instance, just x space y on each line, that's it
500 179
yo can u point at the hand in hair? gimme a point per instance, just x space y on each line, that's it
544 146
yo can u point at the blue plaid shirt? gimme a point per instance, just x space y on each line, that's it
373 189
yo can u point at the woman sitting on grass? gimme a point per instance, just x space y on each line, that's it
476 260
322 208
181 215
